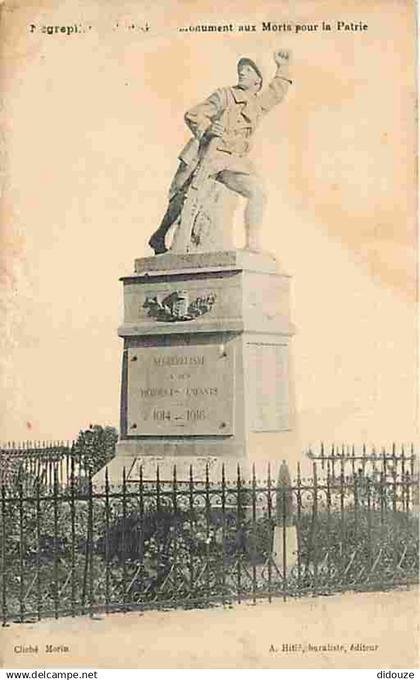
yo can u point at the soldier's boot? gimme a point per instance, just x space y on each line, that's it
157 239
157 242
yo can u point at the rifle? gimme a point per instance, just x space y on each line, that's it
193 199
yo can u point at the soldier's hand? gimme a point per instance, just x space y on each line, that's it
282 57
216 129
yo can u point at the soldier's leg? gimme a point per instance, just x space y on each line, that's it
176 200
157 239
250 187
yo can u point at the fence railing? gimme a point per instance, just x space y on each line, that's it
371 462
77 549
43 461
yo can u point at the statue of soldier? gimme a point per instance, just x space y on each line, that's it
230 114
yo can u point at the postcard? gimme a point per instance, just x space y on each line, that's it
209 254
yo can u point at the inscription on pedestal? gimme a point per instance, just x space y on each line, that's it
180 390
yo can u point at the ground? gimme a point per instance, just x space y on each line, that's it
362 630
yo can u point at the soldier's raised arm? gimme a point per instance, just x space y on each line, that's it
278 87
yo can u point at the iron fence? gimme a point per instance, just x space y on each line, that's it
80 549
371 462
43 461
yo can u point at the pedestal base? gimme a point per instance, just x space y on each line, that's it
206 367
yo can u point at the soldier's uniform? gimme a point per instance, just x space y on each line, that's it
240 112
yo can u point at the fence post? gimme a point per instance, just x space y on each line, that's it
55 506
299 525
328 498
223 533
21 549
356 501
107 575
369 517
124 540
314 525
342 521
158 510
175 533
254 535
90 493
191 516
88 549
38 548
141 526
270 524
73 538
3 552
238 534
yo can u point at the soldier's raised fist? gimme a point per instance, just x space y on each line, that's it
282 57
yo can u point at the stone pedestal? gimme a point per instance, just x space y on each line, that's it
206 374
285 547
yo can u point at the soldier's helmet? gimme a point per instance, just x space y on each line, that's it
246 61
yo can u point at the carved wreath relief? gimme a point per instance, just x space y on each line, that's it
177 306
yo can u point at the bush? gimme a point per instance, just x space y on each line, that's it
95 447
